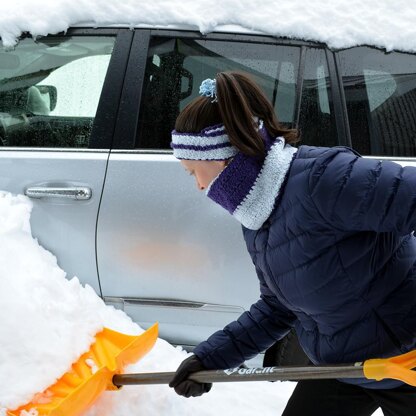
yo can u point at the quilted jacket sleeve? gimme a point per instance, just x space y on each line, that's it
359 194
253 332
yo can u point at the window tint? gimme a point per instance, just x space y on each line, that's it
49 90
380 92
176 67
316 116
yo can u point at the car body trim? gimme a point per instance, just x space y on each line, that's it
170 303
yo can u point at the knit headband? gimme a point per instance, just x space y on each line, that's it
211 143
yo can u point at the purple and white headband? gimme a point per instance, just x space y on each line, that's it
211 143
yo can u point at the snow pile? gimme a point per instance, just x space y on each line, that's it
340 23
47 322
38 305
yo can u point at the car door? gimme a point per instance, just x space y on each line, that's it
165 252
58 101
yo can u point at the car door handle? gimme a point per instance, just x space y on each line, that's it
76 192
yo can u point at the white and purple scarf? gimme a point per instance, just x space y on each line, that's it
248 188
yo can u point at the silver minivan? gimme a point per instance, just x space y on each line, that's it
85 122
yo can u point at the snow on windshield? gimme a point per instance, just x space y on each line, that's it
339 23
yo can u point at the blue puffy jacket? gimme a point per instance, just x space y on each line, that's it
335 260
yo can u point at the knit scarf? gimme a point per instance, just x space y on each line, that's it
248 186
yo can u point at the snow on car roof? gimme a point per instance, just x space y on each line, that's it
385 24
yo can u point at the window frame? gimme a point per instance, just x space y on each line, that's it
125 134
340 105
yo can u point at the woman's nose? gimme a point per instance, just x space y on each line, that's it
200 187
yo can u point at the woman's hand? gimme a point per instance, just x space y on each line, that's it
185 387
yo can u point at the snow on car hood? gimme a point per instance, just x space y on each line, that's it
340 23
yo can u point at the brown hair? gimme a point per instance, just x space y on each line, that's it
239 99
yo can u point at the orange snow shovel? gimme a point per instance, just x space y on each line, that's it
78 388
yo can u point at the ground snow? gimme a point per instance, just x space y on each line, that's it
339 23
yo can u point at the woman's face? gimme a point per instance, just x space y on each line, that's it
204 171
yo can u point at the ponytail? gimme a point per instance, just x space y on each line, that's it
239 100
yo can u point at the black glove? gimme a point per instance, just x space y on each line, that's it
185 387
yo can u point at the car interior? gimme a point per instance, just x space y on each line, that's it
26 108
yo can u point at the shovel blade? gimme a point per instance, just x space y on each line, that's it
78 389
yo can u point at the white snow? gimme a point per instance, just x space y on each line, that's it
47 322
387 24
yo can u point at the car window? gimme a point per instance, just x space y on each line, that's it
50 88
176 67
380 93
316 115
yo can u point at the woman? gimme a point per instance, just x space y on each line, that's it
331 238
